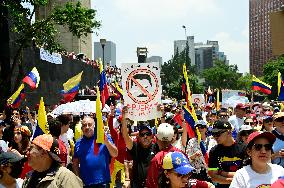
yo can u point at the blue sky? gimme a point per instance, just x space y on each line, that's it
157 23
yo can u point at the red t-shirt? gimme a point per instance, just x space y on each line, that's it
193 183
118 141
25 170
63 152
156 166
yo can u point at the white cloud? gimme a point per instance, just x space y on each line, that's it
164 10
237 51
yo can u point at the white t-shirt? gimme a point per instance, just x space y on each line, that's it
236 122
3 146
19 183
246 177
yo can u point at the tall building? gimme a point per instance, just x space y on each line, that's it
180 45
203 57
154 59
109 52
260 34
67 40
206 54
215 49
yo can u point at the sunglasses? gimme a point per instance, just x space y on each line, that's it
145 133
248 123
258 147
201 126
217 134
223 116
280 119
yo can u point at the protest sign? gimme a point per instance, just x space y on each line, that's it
230 98
142 90
198 99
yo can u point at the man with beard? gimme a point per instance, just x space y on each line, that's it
141 151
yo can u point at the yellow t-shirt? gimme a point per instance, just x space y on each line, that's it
78 131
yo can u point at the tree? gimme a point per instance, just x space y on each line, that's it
222 76
244 82
79 20
270 72
172 75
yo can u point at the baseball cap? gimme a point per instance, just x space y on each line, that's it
200 122
240 106
9 157
276 109
265 105
245 128
221 125
268 113
278 115
178 162
258 134
50 144
198 113
266 117
165 132
213 112
144 127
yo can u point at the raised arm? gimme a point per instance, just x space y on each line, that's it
112 149
127 139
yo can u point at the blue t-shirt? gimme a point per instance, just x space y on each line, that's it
94 169
277 146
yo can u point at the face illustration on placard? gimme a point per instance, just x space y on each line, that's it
141 86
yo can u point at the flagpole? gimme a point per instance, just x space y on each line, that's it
252 100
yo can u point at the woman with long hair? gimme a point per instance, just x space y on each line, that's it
259 171
21 140
177 172
20 146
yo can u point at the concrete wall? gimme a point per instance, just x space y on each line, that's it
53 76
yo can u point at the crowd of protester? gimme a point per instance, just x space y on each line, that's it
244 148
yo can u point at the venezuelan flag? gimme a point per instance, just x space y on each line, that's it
42 126
71 87
258 85
190 116
17 97
118 91
280 87
193 131
32 79
103 86
100 125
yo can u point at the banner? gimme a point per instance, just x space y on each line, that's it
230 98
198 99
142 90
52 58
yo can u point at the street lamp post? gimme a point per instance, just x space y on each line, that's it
185 31
103 43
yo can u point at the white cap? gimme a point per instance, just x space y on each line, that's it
245 128
165 132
